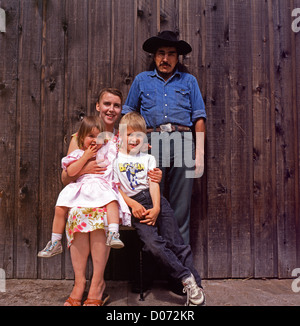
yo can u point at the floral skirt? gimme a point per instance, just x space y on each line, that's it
83 219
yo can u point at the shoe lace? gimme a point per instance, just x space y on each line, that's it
116 235
51 246
187 290
190 290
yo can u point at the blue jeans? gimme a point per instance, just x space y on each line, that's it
164 240
171 157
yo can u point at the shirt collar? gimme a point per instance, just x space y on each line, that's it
154 73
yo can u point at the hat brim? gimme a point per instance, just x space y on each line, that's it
153 43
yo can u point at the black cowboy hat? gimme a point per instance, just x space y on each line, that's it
166 38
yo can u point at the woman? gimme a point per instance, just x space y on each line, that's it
109 106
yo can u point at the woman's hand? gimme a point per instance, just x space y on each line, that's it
155 175
92 167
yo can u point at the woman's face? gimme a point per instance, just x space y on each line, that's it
109 107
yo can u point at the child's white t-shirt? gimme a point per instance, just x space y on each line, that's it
132 172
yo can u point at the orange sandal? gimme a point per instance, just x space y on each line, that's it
73 302
96 302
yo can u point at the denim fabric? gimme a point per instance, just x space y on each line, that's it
176 184
177 100
164 240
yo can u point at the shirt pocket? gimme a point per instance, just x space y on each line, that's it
148 99
183 98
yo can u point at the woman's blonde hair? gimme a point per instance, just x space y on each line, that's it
87 125
133 120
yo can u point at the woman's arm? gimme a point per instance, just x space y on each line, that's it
65 178
76 167
155 175
91 167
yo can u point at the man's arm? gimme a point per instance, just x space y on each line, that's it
200 138
132 101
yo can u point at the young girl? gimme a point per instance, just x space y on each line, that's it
90 190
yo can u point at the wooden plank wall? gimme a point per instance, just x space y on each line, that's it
57 54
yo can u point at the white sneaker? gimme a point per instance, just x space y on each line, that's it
51 249
195 295
113 240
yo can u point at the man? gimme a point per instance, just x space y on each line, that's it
170 101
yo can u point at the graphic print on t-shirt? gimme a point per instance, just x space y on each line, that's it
131 169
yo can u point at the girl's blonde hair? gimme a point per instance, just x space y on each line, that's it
87 125
133 120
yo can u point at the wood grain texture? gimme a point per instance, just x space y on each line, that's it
56 56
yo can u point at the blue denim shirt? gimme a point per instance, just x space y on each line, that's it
177 100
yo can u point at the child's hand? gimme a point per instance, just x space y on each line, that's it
150 216
90 152
138 210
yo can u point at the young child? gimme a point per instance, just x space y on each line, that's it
153 217
89 190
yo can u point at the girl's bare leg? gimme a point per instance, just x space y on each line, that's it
112 212
59 221
113 221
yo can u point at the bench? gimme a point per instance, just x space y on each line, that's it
131 228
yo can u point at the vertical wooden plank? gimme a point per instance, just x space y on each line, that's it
241 138
28 142
169 15
192 30
76 77
285 138
296 96
218 141
8 99
99 50
51 139
264 246
147 24
76 62
122 54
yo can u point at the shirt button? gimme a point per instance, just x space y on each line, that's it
166 104
166 116
166 95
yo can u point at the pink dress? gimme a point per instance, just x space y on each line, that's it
94 190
